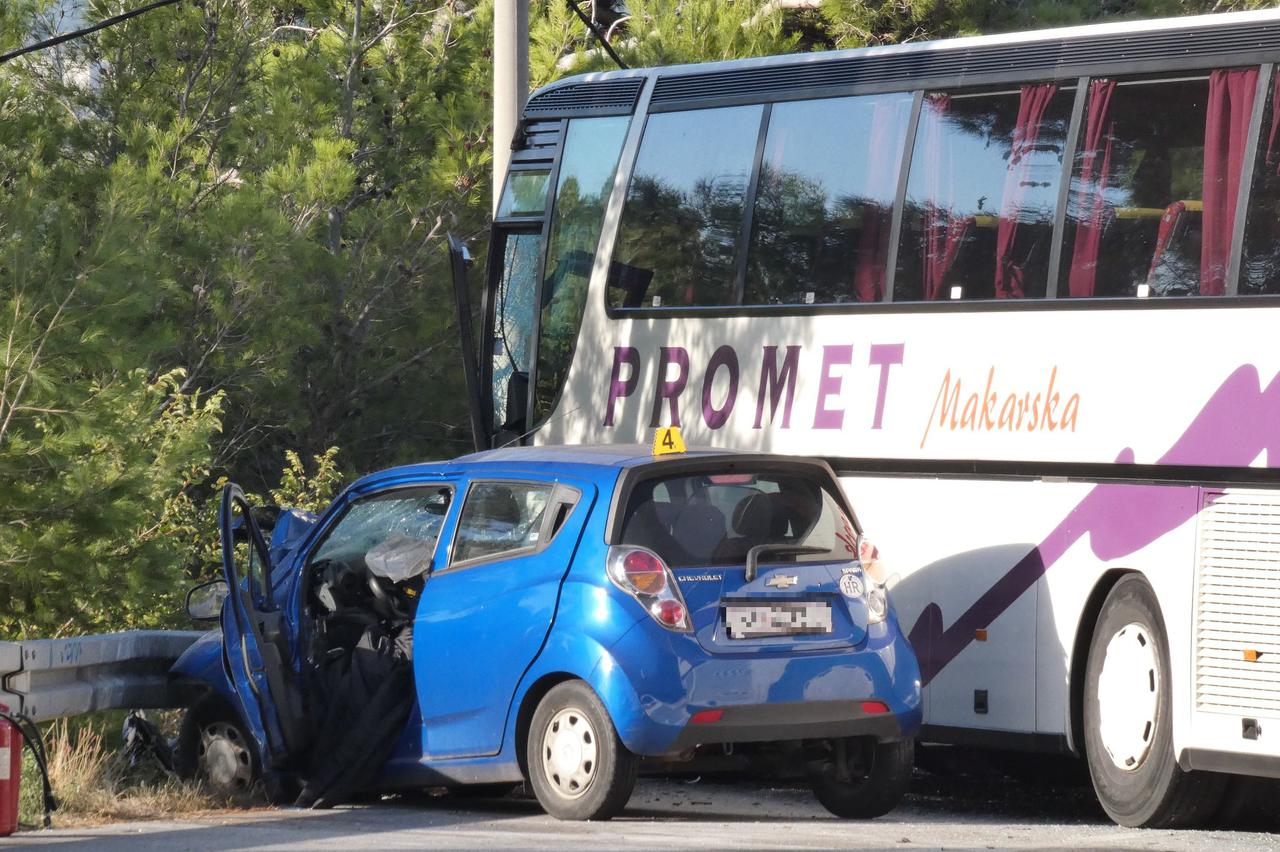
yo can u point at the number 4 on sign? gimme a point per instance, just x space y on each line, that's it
668 440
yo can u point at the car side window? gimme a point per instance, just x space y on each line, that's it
397 518
499 518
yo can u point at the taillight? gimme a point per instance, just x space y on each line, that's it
867 552
642 574
645 572
876 595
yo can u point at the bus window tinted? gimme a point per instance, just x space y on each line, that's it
1148 204
820 228
524 195
678 241
587 166
1260 265
982 194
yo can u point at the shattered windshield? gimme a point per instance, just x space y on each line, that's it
394 535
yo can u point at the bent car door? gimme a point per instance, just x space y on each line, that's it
253 635
484 617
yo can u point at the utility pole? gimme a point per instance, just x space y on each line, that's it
510 81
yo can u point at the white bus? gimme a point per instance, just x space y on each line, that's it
1023 293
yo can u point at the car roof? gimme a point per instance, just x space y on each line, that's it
589 460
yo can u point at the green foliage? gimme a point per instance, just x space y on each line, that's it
311 492
91 485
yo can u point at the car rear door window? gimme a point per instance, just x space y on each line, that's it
704 519
501 518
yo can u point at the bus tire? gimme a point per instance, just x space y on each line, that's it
578 767
872 783
1128 720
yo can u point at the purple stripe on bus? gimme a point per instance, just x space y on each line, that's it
1240 421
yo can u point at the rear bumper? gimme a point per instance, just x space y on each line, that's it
791 721
653 682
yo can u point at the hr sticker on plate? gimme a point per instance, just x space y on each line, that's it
851 586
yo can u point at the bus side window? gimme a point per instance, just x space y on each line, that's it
1260 266
678 242
982 194
820 227
1151 206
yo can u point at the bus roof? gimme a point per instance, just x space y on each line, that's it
1057 36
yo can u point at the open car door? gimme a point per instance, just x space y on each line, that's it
253 636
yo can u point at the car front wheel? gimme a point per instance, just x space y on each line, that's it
214 749
578 768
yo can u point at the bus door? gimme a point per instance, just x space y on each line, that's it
515 259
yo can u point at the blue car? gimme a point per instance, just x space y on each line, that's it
555 616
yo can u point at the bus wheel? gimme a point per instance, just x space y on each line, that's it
863 779
1128 718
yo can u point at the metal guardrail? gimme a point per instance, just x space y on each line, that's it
49 678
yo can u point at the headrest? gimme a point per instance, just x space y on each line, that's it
753 516
699 528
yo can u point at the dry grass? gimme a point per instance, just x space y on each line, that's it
94 783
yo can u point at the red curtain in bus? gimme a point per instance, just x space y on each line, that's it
1226 128
1032 103
1272 162
881 187
944 233
1095 168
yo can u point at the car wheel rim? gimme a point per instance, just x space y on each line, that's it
569 749
1128 696
225 762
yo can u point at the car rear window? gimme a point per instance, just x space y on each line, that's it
704 519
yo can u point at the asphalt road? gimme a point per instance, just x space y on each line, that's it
942 812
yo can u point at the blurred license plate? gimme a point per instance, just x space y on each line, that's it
780 619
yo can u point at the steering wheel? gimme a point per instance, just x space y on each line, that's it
385 600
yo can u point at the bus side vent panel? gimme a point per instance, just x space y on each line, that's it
609 97
537 142
1046 58
1237 665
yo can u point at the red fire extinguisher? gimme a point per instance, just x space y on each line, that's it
10 773
15 731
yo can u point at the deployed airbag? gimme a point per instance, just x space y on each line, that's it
400 558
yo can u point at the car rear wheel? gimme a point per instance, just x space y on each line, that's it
1128 720
859 779
578 767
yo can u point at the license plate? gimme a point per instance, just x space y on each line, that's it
780 619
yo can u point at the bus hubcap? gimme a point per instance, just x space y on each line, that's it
569 753
1128 695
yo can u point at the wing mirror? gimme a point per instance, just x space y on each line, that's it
204 602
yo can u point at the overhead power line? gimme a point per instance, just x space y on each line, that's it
101 25
595 30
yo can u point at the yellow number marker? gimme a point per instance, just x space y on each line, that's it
668 440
